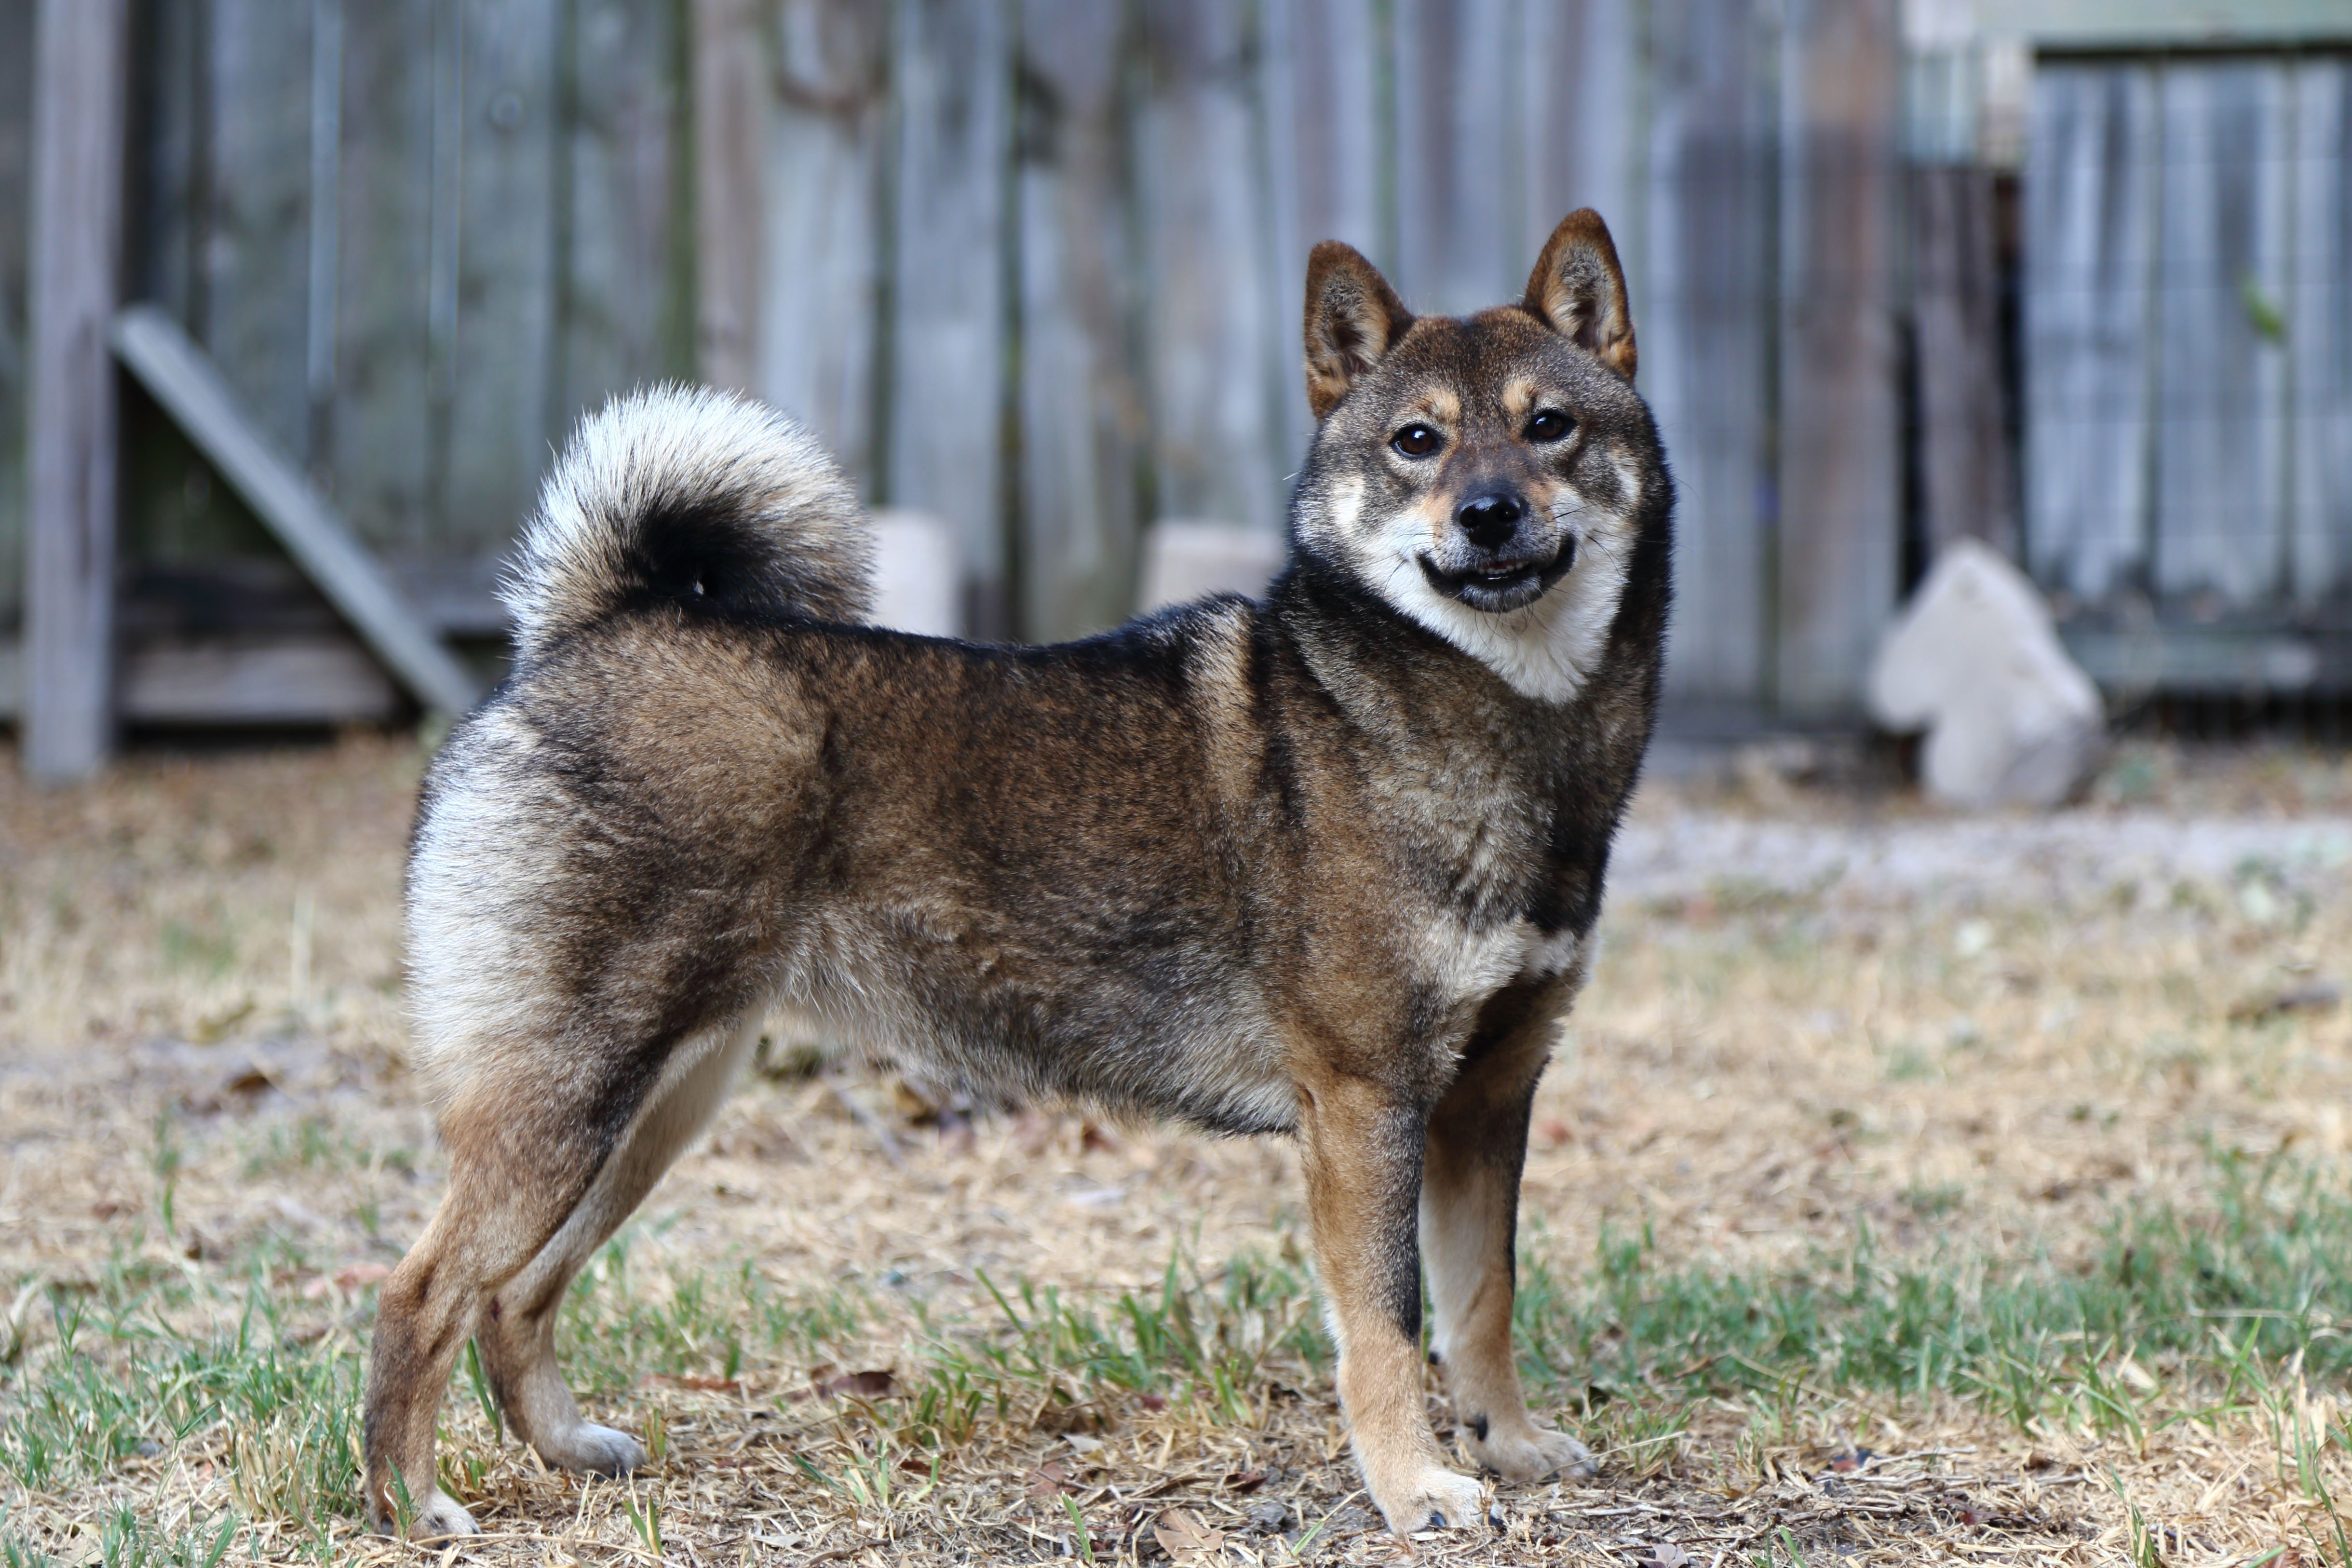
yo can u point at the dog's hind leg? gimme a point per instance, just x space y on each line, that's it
1469 1219
529 1151
517 1333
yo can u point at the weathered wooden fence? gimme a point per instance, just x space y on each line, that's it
1034 266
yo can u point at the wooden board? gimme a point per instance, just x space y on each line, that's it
821 287
1463 148
1218 352
253 207
502 332
383 478
942 451
2319 333
1331 164
16 190
81 60
622 240
2221 409
1703 322
2090 223
1838 521
1082 410
307 681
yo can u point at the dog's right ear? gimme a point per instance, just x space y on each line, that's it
1353 317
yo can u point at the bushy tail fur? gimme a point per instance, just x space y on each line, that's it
686 494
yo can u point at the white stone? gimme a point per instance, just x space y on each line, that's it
1184 558
1975 661
918 574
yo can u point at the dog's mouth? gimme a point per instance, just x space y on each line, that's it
1497 587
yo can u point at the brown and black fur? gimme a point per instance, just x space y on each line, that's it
1325 864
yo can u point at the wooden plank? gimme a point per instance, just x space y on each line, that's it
503 333
822 280
255 217
1324 63
2319 333
2220 458
2090 216
730 102
1083 417
1702 314
80 55
384 451
192 389
305 680
1839 534
1462 156
1580 74
623 251
947 387
1213 326
1965 475
16 200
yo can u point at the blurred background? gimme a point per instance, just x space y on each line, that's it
2072 277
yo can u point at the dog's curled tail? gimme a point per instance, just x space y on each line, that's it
691 495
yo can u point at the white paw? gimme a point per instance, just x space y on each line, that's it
441 1517
597 1450
1437 1500
1530 1454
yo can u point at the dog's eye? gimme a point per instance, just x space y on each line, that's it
1549 425
1416 441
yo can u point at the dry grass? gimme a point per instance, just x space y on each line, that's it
2034 1197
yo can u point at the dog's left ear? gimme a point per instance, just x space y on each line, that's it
1579 290
1353 318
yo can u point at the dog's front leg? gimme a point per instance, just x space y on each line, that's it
1362 1155
1469 1215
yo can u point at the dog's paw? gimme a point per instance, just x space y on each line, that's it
440 1518
1438 1499
1531 1453
592 1450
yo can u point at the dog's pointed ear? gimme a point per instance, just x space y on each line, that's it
1353 317
1579 290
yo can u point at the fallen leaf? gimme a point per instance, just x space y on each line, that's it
1183 1537
1246 1480
877 1384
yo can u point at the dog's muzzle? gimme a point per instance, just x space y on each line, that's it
1502 583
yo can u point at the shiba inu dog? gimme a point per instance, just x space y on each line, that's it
1325 864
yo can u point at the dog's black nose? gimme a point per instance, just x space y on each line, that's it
1490 520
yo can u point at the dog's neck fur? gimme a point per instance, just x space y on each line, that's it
1471 752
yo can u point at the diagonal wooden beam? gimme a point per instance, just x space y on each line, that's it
183 378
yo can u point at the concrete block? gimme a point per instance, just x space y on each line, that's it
1185 558
1975 661
917 574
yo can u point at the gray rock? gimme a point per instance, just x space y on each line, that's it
917 574
1975 661
1184 559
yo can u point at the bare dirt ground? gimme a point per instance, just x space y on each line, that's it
1839 1045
